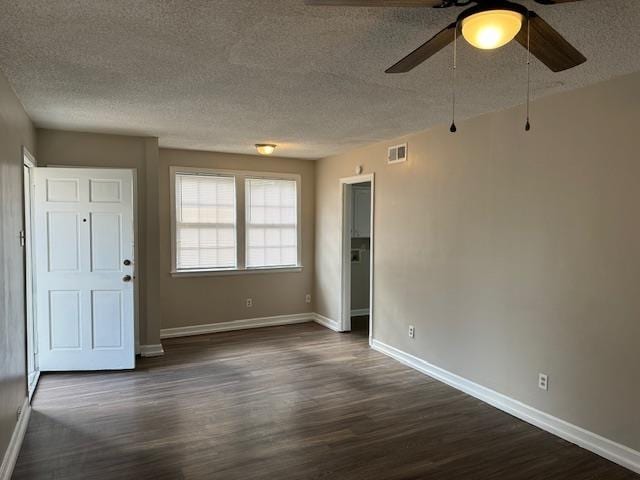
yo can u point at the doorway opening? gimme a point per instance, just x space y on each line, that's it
357 255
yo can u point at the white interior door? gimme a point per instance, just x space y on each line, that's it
83 235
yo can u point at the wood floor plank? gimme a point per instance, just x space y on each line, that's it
291 402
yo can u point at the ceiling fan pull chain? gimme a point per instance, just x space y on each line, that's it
527 126
453 128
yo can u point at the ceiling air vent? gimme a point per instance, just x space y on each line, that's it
397 154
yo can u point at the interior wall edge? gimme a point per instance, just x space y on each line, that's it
152 255
155 350
327 322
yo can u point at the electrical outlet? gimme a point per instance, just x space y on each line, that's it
543 381
307 298
412 331
249 302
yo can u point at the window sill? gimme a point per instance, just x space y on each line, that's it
222 273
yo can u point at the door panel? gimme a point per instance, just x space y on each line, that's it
101 190
106 239
106 318
63 190
63 247
64 319
83 233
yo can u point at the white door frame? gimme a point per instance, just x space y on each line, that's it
345 251
30 281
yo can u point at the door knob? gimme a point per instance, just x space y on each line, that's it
126 278
127 262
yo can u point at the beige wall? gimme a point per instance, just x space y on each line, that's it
15 131
512 253
61 148
187 301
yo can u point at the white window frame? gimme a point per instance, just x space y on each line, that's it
240 176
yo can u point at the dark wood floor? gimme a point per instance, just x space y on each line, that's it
292 402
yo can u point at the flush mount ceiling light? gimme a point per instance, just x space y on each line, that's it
492 28
265 148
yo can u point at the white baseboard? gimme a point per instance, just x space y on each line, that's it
11 455
327 322
593 442
151 350
236 325
358 312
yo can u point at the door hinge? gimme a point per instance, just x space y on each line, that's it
22 238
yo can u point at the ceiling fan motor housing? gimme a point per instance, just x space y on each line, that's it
493 5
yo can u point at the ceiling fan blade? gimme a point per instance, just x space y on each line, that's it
549 46
553 2
424 51
377 3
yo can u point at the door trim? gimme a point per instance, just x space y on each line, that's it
31 341
345 251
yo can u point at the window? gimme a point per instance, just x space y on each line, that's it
205 222
234 222
271 222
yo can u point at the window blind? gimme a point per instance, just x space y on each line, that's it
205 221
271 222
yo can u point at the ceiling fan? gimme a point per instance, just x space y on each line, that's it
487 24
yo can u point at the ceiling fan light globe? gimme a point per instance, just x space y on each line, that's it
491 29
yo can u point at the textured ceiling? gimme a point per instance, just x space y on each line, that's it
225 74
